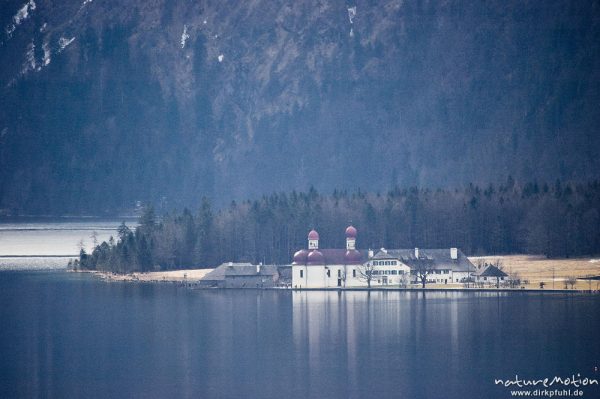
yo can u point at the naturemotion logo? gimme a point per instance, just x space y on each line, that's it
561 386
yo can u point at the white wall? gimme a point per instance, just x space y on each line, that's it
451 277
490 280
315 276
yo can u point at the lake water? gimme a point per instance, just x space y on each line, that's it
65 335
69 335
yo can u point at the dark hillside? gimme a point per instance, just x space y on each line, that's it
107 102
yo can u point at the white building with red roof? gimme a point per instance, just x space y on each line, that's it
339 268
347 268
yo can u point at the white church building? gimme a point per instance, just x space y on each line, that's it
346 268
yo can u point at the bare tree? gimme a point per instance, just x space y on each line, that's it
94 237
343 275
499 264
365 272
422 268
514 280
403 281
467 282
481 264
571 280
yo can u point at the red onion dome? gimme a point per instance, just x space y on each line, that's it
353 256
313 235
315 257
350 232
300 257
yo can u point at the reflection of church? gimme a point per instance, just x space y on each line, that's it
331 268
366 339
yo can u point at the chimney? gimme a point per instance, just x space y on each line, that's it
370 253
417 253
454 253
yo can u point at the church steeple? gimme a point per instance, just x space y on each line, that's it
351 238
313 240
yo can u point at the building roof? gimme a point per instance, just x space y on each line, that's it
239 269
301 256
440 258
491 271
335 256
313 235
315 257
351 232
265 270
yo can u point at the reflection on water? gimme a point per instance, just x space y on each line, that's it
384 330
437 344
66 335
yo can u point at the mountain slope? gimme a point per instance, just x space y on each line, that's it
106 102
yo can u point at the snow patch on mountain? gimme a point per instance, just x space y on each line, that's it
23 13
351 14
47 54
30 62
184 36
33 64
64 42
20 16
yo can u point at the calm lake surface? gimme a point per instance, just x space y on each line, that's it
71 335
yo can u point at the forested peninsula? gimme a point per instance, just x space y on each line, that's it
557 220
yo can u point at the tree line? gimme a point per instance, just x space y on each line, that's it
556 220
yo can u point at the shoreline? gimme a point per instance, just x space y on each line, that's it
532 269
191 277
457 289
171 276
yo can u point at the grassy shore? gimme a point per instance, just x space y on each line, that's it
538 269
534 269
169 276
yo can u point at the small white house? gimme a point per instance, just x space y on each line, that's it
490 275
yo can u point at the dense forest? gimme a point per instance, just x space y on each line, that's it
557 220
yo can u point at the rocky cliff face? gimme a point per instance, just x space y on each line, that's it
107 102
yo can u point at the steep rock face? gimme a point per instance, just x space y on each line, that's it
107 102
